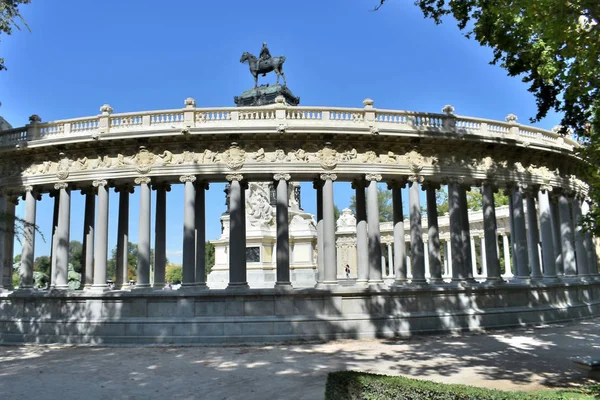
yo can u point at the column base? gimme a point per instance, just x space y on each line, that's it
550 279
283 286
436 281
326 284
100 288
375 282
59 287
400 283
237 286
142 288
361 282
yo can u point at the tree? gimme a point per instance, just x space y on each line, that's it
9 15
173 273
76 255
209 257
384 199
554 46
42 264
111 267
474 200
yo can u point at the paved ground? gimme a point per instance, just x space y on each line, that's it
519 359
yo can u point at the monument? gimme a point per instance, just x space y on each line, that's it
265 94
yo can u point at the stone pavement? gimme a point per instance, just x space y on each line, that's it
519 359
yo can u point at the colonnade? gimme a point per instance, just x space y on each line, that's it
565 250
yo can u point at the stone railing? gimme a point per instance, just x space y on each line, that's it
280 118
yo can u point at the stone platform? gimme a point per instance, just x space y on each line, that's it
265 316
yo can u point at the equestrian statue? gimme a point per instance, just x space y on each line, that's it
264 64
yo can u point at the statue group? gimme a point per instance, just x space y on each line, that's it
264 64
265 94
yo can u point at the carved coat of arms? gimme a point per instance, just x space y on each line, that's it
234 157
144 160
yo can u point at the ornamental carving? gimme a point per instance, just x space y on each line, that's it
234 157
142 180
370 157
278 177
166 157
259 210
346 219
488 165
373 177
328 157
62 169
416 161
144 160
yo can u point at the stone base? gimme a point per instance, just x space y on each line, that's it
264 95
270 315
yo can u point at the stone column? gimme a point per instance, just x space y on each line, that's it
507 259
466 235
566 236
9 241
390 271
484 270
580 247
283 233
362 241
189 231
3 237
87 250
433 234
489 244
592 266
473 257
201 188
416 234
447 258
456 239
318 185
122 278
62 236
143 259
556 235
160 235
399 245
54 194
546 233
329 246
101 237
373 229
28 241
519 234
533 236
237 233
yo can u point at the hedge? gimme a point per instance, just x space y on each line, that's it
351 385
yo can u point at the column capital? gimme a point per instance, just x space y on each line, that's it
545 187
124 187
187 178
201 185
31 189
328 176
100 182
317 184
142 180
234 177
358 183
61 185
161 186
429 185
459 180
396 184
416 178
278 177
373 177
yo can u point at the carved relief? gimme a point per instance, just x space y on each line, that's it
259 209
144 160
62 170
234 157
328 157
369 157
346 219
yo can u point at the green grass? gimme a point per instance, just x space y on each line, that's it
348 385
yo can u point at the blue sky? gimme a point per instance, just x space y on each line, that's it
145 55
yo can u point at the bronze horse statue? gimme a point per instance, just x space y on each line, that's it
263 67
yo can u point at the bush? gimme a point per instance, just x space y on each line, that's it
173 273
348 385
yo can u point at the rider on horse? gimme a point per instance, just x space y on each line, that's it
265 54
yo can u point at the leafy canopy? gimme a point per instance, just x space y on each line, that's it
10 18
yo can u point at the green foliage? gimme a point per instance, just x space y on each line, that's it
15 279
209 257
357 385
336 212
441 200
75 254
132 250
173 273
384 199
17 259
9 14
42 264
